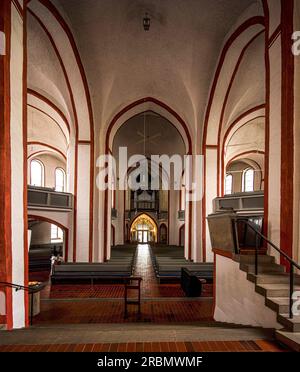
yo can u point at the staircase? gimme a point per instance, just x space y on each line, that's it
273 283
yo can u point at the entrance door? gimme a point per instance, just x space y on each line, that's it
145 237
140 236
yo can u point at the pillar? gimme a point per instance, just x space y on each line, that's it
13 177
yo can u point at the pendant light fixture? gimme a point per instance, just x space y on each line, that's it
146 22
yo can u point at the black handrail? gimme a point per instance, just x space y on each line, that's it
30 290
293 263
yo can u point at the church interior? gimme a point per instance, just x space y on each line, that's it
143 269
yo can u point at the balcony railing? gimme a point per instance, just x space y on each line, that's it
47 198
147 205
241 203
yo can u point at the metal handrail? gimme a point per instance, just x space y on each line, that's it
293 263
19 287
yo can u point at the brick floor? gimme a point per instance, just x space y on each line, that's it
84 311
208 346
79 304
83 304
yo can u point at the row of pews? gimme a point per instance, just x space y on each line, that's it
169 261
121 265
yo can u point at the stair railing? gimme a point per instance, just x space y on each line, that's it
30 290
292 263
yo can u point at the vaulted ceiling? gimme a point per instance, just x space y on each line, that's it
174 62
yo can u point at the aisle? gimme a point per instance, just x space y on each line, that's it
144 268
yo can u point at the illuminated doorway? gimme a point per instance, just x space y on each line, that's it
143 230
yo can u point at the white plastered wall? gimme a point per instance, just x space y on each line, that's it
17 161
83 204
275 143
51 163
236 299
211 193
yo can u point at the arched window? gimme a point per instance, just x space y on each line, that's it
60 180
228 184
57 235
248 180
37 173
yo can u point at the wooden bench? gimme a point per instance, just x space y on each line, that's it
120 266
173 272
89 272
191 283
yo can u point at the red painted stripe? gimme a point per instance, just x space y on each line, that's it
50 117
244 154
18 7
242 28
51 104
230 128
287 131
5 161
274 36
234 74
69 34
75 122
37 143
267 124
25 205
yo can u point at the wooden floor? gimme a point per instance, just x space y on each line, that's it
208 346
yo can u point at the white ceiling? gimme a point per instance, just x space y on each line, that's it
174 62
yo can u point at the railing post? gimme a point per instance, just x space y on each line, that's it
31 307
291 290
256 253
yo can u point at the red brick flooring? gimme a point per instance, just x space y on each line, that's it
115 291
103 304
82 312
209 346
89 304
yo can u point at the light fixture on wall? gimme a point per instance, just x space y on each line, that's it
146 22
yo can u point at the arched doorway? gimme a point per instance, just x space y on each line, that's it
163 234
143 230
181 235
136 115
47 238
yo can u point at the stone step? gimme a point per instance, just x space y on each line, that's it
262 268
274 278
279 304
292 325
290 339
275 290
250 259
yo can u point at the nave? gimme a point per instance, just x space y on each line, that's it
85 318
103 303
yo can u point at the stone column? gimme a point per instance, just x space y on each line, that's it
13 177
